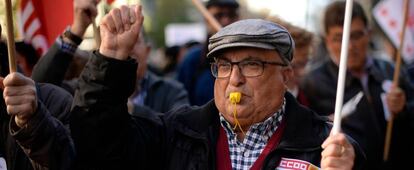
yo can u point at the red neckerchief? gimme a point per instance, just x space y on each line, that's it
223 161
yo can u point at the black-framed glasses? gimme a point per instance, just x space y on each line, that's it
354 36
248 68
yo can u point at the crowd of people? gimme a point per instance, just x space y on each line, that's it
246 98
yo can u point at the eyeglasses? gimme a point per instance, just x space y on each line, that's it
248 68
355 36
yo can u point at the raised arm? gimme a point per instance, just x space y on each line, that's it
105 135
52 67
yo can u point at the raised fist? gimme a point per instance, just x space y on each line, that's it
120 30
84 12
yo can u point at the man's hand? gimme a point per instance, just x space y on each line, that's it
338 153
84 13
120 30
20 97
395 100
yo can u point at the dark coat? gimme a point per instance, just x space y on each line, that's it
45 142
367 125
162 95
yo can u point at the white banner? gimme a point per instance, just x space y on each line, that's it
389 15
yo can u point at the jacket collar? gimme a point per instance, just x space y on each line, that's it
304 129
372 70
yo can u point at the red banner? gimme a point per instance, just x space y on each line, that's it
41 21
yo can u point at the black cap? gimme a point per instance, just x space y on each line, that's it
229 3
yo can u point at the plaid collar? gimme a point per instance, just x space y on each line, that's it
244 153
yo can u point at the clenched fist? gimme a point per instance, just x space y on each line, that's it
338 153
395 100
20 97
120 30
84 13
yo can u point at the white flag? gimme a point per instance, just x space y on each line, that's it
389 15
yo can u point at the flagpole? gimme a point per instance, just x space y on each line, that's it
10 37
342 68
210 19
396 79
96 33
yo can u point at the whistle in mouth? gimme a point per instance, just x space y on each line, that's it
235 97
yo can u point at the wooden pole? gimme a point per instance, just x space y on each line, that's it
96 34
342 68
390 123
10 37
210 19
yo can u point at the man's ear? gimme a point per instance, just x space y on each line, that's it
287 74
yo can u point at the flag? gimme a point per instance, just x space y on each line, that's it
42 21
389 15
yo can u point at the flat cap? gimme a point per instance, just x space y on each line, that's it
256 33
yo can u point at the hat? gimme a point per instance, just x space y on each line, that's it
230 3
256 33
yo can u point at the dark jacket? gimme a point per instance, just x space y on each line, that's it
52 67
45 142
367 125
194 72
162 95
106 136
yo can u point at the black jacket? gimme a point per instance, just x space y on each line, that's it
52 67
45 142
106 136
367 124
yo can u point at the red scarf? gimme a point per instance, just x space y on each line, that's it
223 161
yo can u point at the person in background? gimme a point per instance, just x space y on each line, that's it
304 45
26 58
153 93
34 122
53 67
194 72
365 118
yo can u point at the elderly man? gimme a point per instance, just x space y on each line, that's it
250 57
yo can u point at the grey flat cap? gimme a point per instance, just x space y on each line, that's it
256 33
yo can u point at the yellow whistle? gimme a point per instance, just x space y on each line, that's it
235 97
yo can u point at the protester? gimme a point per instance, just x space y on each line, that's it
106 136
32 124
365 120
26 58
194 72
52 67
153 93
303 48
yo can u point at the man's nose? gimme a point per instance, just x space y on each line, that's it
236 77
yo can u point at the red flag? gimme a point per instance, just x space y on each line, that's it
41 21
